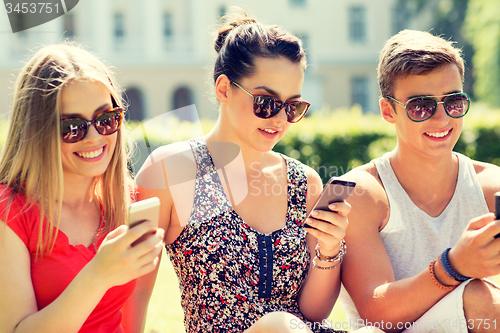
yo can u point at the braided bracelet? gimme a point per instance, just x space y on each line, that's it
435 280
326 268
342 252
452 274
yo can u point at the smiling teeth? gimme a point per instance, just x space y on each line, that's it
91 154
269 131
438 135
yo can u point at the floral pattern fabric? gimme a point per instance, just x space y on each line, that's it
230 274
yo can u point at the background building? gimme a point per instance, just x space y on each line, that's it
163 49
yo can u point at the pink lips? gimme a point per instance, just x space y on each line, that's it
91 155
269 135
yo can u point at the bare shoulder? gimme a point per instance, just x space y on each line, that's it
164 163
314 186
312 175
165 168
369 200
489 179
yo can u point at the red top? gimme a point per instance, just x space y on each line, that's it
54 272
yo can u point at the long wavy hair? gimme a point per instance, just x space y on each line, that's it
30 161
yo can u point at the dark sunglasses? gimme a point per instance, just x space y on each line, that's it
105 122
265 106
422 108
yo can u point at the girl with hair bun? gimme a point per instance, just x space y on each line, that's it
248 264
66 260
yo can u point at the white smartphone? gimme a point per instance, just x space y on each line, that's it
140 211
335 190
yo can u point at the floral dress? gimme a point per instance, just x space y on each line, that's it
230 275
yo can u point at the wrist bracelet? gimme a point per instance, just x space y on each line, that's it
340 255
445 261
435 280
326 268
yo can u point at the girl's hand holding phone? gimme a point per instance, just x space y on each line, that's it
328 218
118 262
329 227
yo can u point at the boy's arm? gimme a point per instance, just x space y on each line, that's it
489 179
367 272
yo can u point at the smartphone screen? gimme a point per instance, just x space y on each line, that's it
335 190
144 210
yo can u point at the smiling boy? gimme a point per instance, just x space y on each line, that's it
420 200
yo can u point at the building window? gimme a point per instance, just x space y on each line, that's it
183 97
119 27
359 89
134 99
400 18
69 25
19 22
222 11
357 24
306 44
168 29
298 3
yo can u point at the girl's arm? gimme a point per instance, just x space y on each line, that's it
322 286
115 263
174 161
136 308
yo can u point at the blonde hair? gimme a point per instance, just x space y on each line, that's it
30 161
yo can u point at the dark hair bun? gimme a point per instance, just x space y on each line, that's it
241 39
234 18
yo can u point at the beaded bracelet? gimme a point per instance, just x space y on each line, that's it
342 252
435 280
325 268
445 261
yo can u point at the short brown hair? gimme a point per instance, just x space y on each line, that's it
412 52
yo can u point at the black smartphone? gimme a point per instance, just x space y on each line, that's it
335 190
497 209
144 210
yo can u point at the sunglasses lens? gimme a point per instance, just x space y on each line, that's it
108 122
266 106
73 129
457 105
296 111
421 108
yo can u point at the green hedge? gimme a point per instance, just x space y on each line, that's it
333 142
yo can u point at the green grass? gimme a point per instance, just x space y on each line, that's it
165 312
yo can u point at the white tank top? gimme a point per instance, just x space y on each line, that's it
411 237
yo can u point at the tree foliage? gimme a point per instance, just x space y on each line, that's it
448 20
482 28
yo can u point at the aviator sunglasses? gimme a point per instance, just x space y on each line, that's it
106 122
265 106
422 108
